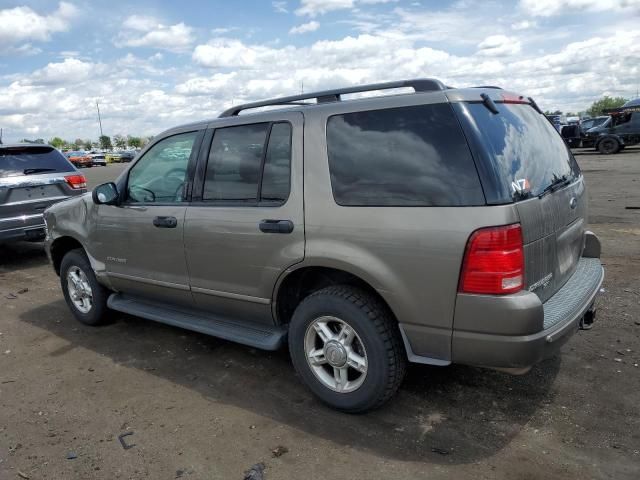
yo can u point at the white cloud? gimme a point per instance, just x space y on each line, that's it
499 46
216 84
547 8
145 31
313 8
311 26
71 70
280 6
523 25
22 24
141 23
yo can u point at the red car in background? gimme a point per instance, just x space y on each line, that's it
79 159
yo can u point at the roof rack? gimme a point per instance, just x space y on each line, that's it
614 111
326 96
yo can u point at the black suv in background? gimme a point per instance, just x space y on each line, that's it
621 130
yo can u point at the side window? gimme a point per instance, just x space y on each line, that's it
277 164
160 176
242 167
409 156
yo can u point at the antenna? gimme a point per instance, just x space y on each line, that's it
0 136
99 119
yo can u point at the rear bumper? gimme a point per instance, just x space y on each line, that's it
530 331
23 227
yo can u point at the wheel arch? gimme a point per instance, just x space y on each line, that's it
298 282
59 248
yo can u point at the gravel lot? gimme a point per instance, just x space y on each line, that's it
202 408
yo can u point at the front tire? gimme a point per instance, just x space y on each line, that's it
346 346
86 298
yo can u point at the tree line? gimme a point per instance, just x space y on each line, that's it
104 142
596 107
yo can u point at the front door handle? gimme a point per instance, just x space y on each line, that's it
165 222
276 226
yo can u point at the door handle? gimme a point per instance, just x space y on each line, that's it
165 222
276 226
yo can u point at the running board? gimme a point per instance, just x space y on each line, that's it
264 337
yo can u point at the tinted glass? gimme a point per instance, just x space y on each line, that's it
410 156
525 153
277 164
16 161
233 169
160 175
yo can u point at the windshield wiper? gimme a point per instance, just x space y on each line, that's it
556 184
30 171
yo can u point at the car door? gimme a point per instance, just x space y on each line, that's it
141 239
245 225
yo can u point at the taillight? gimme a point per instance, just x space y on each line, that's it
76 181
493 261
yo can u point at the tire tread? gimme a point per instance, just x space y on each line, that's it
385 325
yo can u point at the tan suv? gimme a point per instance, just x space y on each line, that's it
445 225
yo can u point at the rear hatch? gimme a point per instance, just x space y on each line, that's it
523 160
32 178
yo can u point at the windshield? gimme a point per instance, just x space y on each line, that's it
17 161
525 153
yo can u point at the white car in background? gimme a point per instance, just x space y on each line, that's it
98 159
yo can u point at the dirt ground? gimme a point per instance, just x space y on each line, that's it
202 408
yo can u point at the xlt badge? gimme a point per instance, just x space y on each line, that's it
116 259
543 282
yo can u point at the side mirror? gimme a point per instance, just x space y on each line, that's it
105 194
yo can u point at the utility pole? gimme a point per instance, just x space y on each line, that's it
99 119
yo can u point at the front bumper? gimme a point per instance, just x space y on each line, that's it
529 331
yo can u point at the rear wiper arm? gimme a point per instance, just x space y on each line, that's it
29 171
555 185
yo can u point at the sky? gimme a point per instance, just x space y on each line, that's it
152 65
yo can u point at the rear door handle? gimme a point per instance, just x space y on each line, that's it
276 226
165 222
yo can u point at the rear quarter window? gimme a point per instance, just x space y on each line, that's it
521 152
408 156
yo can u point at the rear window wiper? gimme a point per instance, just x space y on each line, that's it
557 183
30 171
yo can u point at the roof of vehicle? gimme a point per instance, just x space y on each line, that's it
297 103
22 145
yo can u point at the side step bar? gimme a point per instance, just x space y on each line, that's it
265 337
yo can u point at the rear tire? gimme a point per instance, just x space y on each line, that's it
86 298
608 146
346 346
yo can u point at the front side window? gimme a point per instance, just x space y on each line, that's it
249 164
160 176
409 156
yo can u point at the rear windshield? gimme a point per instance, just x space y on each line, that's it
523 153
408 156
17 161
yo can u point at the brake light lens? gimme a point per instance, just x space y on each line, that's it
76 181
493 261
511 98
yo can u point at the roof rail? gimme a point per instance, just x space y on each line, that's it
488 86
418 84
